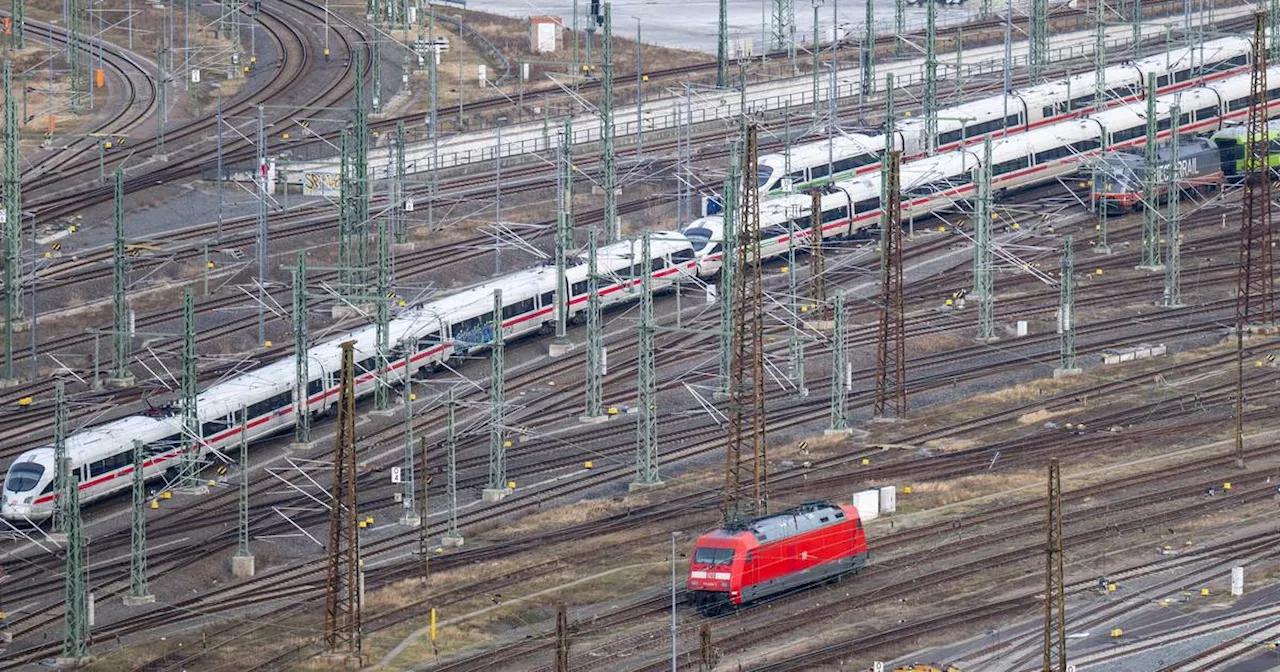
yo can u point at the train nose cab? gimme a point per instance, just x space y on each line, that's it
1117 186
706 235
27 480
711 581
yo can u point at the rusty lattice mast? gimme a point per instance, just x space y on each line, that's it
891 390
1255 287
342 589
745 467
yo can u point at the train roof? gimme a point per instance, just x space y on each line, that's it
94 443
816 151
1238 132
992 107
515 287
804 518
660 243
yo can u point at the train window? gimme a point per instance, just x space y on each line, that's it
1273 94
1164 124
764 173
985 128
1081 102
519 308
428 341
1238 104
578 288
682 255
833 214
773 231
818 172
364 366
1206 113
713 556
1086 145
797 176
109 464
1162 81
842 165
948 138
657 264
1128 134
24 476
210 429
547 299
1009 166
285 398
1013 120
282 400
935 187
315 387
867 205
1047 112
1052 154
167 443
1182 75
1184 118
865 159
473 329
1120 92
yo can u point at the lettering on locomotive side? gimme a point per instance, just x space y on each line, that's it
1188 167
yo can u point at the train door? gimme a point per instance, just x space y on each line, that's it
314 397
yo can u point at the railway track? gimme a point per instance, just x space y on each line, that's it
306 586
463 251
287 23
140 101
682 438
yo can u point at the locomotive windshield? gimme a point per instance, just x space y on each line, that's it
1116 173
698 237
24 476
713 556
765 173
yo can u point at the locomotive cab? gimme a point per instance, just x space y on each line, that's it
754 559
27 479
712 572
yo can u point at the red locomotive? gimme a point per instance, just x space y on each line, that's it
813 542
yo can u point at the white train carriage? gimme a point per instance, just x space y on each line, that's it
619 267
1018 161
1023 110
782 218
265 401
102 458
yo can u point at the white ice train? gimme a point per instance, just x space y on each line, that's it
1023 110
459 323
1018 161
263 401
